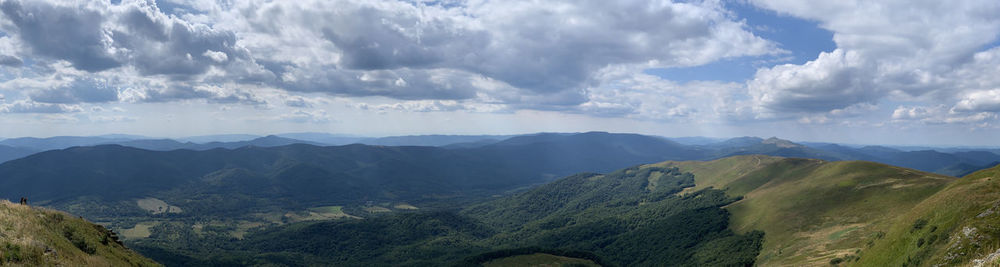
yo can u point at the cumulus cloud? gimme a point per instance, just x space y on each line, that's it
111 119
96 36
917 113
886 50
398 49
413 50
10 61
298 102
26 106
940 114
306 116
222 94
499 56
431 106
478 55
987 100
85 91
72 33
834 80
216 56
627 93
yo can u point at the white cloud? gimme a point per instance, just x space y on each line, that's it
216 56
26 106
940 114
917 113
834 80
886 50
987 100
111 119
486 56
307 116
624 92
367 48
432 106
480 56
298 101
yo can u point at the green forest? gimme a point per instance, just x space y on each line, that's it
631 217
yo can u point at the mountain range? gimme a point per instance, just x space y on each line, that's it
955 161
594 197
308 174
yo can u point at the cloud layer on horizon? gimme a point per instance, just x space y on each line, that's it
928 63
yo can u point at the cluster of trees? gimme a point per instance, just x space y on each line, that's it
478 260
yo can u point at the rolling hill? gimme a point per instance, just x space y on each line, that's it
296 173
60 142
752 209
630 217
956 163
38 237
306 175
8 153
587 152
956 226
813 212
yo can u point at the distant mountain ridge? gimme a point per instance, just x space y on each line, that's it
351 172
953 161
955 164
9 153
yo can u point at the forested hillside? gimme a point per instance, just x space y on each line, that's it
630 217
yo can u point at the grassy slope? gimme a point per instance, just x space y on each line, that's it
34 236
631 217
814 211
962 225
719 173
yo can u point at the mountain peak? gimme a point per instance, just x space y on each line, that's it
780 142
274 140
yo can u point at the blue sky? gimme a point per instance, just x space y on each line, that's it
885 72
802 39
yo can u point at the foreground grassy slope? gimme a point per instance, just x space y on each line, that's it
958 226
815 212
38 237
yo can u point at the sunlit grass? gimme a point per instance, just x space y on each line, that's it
33 236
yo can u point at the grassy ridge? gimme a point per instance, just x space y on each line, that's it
958 226
632 217
719 173
815 212
39 237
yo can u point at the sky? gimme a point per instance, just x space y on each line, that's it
901 72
